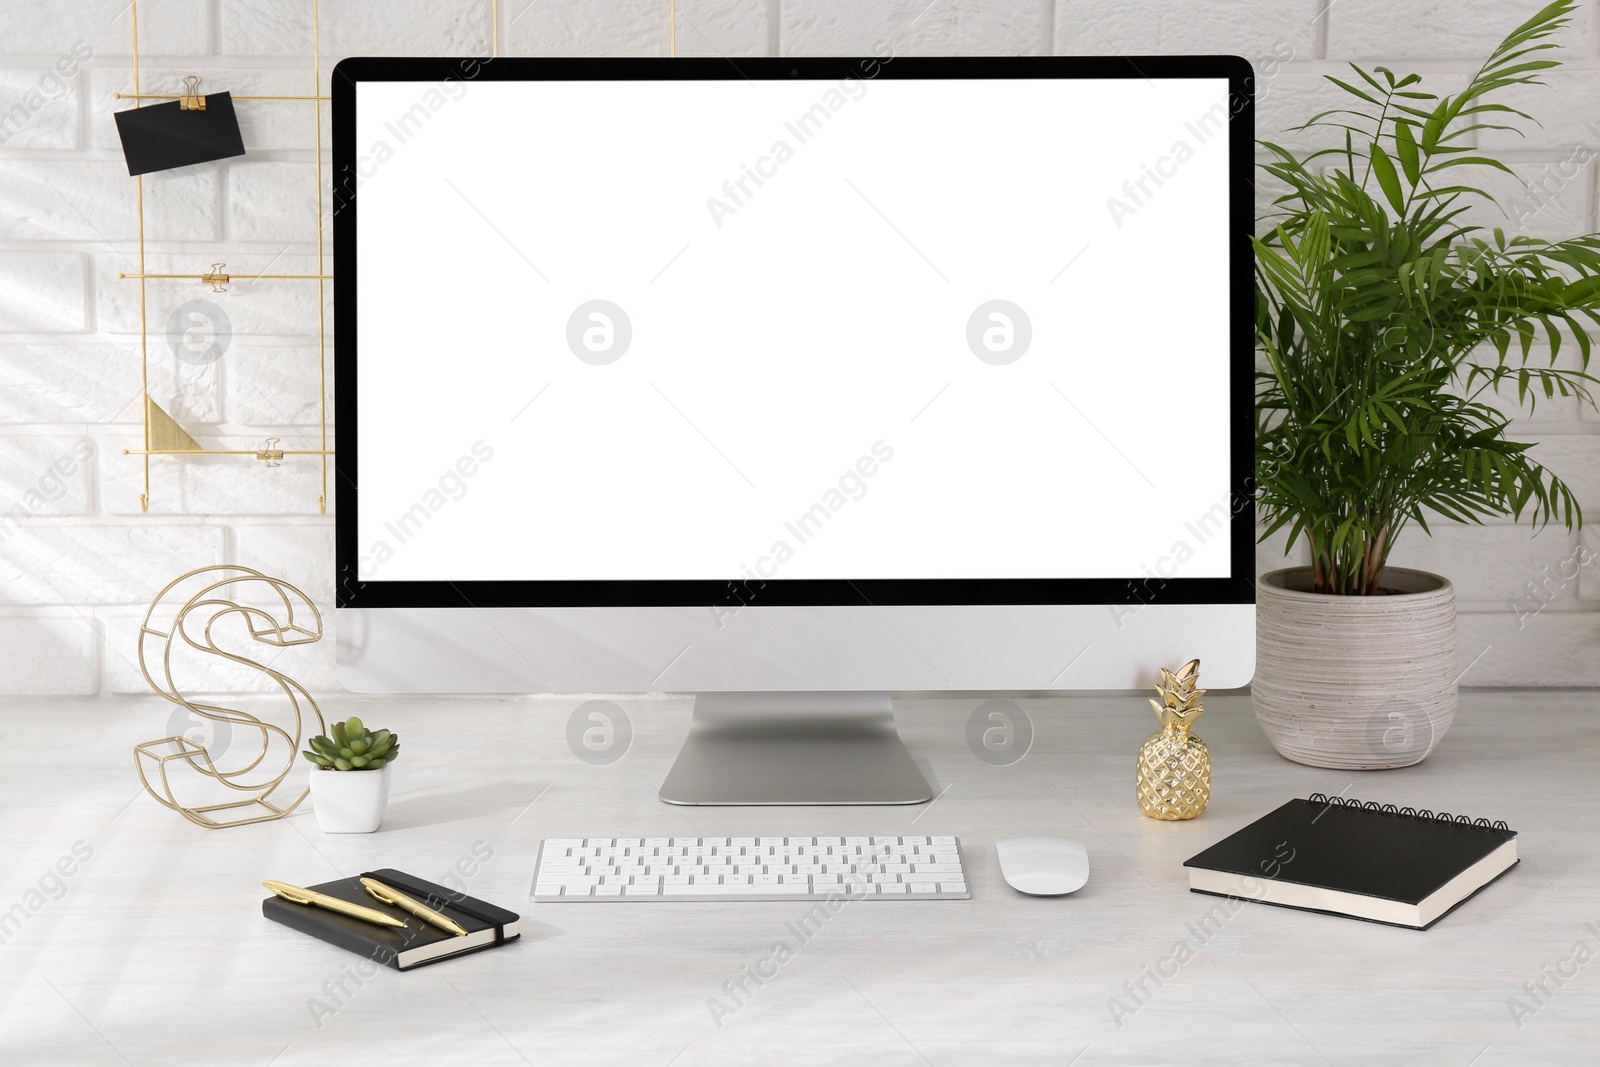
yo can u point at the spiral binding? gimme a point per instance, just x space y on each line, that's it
1409 812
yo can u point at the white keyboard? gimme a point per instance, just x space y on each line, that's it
749 868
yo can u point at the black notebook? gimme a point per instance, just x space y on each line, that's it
1370 861
419 942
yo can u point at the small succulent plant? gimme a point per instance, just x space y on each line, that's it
350 746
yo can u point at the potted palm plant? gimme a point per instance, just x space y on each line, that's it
1387 322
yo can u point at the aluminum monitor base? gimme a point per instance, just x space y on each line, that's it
794 748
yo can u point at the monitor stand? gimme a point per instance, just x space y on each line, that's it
794 748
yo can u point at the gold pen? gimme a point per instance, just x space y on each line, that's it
420 910
322 900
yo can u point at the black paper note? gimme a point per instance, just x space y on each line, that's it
164 136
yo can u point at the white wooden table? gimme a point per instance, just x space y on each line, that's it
153 950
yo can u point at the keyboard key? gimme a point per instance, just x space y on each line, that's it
923 887
608 890
952 887
893 887
641 891
738 890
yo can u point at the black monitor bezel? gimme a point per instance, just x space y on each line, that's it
735 590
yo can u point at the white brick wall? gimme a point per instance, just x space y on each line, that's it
80 561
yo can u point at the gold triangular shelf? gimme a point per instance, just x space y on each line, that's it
162 432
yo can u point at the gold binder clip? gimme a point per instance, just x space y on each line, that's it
191 100
218 278
273 457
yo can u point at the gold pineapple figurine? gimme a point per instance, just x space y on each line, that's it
1174 767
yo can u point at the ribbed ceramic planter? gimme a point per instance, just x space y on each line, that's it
1355 682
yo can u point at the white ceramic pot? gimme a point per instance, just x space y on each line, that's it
1355 682
350 802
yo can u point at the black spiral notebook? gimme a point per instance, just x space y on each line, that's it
417 942
1370 861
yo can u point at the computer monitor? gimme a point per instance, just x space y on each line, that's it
792 383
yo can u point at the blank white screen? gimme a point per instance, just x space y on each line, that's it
784 331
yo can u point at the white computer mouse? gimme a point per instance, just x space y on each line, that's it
1043 866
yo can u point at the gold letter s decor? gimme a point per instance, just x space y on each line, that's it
199 612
